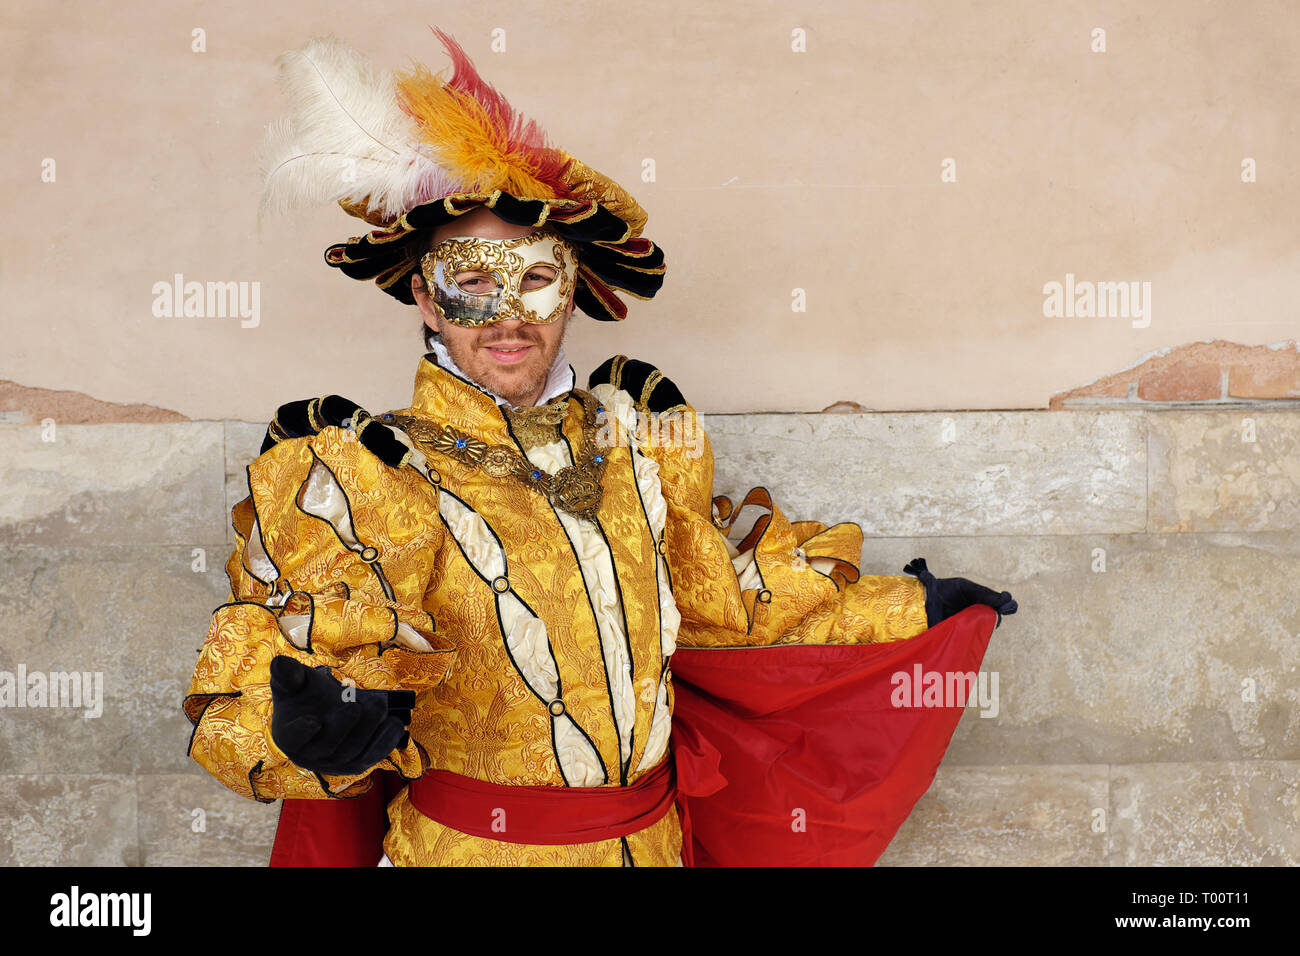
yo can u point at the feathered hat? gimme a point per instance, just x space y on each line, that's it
410 152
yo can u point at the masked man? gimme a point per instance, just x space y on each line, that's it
470 618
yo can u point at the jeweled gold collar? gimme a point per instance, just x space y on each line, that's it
538 424
575 489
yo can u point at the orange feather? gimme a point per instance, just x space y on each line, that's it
476 135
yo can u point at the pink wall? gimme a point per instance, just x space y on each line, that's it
774 170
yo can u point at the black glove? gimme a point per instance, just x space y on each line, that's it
944 597
319 730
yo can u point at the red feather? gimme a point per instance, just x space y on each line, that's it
520 132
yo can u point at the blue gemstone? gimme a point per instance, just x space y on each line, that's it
536 473
388 416
598 459
460 443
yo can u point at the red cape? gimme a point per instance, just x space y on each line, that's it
786 756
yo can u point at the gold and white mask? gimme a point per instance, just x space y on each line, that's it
475 281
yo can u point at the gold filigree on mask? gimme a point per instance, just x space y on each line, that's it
508 262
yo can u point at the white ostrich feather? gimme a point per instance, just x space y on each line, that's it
345 138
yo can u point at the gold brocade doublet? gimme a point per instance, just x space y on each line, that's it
538 641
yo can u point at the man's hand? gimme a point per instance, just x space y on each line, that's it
944 597
323 726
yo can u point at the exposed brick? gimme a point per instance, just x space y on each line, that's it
1116 387
1181 382
844 407
25 404
1194 372
1247 381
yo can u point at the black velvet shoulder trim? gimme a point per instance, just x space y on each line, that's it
308 416
382 443
648 386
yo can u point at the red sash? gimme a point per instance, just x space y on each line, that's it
544 814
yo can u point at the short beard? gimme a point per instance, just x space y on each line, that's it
515 397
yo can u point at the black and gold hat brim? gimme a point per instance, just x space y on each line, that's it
611 259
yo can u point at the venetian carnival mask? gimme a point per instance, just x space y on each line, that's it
531 278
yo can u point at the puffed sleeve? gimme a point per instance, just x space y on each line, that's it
336 550
783 582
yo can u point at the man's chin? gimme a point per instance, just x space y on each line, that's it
517 388
515 383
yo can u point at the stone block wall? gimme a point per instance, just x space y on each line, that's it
1147 690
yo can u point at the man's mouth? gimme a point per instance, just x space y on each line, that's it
508 354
